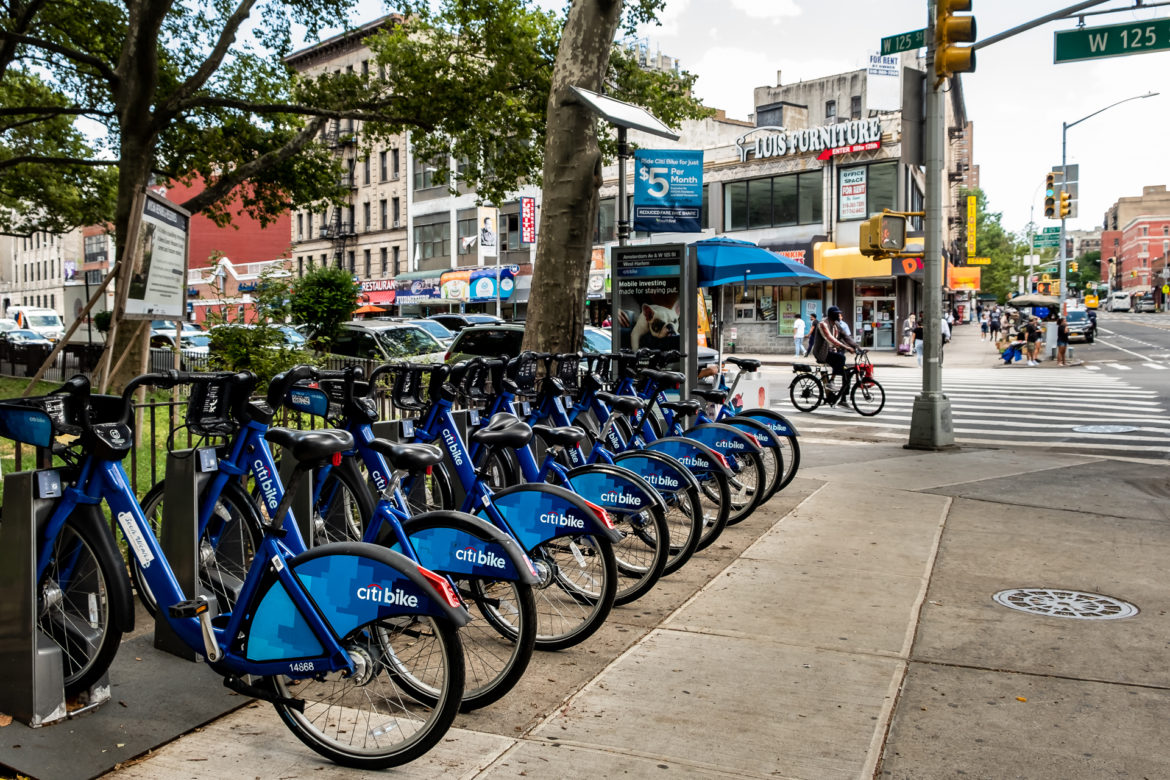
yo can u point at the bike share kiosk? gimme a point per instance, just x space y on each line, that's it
655 301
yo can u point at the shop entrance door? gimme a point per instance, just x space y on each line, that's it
875 325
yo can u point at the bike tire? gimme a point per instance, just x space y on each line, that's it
226 549
772 455
790 445
342 506
344 719
508 626
570 609
715 491
747 486
431 491
641 554
806 392
872 397
75 606
684 513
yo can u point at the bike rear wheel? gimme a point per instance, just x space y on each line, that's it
75 606
868 397
369 720
789 445
578 582
748 486
715 502
642 552
806 392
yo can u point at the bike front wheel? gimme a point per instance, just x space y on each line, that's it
748 486
578 582
369 719
806 392
868 397
642 553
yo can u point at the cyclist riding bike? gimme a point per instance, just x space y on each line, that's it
829 348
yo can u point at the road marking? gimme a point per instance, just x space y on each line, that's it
1123 349
1092 368
1118 366
1158 366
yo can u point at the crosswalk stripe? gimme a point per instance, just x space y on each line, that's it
1158 366
1092 368
1118 366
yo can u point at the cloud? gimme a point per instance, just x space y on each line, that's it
767 9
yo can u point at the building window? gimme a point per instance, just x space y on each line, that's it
324 260
1145 230
467 232
830 111
424 173
510 231
395 250
365 68
382 258
382 213
52 301
395 169
366 263
793 199
366 169
705 212
866 189
352 262
301 265
366 216
606 228
300 227
383 168
433 240
395 212
855 107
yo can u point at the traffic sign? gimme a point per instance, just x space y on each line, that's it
1050 230
1114 40
908 41
1045 242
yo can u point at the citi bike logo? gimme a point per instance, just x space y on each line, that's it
267 483
479 557
392 597
562 521
660 480
731 444
302 400
691 460
453 447
379 479
614 497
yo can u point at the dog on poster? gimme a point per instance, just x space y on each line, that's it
653 326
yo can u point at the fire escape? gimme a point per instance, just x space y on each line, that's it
341 229
957 223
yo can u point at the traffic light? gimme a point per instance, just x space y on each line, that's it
1073 266
1050 196
1065 206
882 234
949 30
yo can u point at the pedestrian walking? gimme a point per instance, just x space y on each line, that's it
984 325
908 335
946 336
810 341
918 336
1061 341
993 323
1032 338
798 336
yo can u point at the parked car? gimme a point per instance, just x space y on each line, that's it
193 350
292 337
7 324
433 327
46 322
1145 303
384 340
15 344
456 322
1079 325
188 327
505 338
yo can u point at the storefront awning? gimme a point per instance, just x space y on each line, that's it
847 262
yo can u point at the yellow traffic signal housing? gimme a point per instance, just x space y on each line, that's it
1073 266
1050 196
882 234
949 30
1065 205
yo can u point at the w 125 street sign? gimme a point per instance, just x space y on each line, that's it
668 190
908 41
1114 40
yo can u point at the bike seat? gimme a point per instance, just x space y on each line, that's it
670 378
714 396
311 446
504 430
564 436
624 404
799 368
407 457
750 366
685 408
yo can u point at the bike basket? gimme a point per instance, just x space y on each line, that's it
334 390
865 370
474 381
569 371
524 373
209 408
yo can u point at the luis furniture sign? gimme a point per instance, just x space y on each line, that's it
859 135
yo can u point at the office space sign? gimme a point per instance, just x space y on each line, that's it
853 193
668 190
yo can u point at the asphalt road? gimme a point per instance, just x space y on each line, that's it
1134 347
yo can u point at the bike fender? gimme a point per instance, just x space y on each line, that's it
778 424
119 588
756 428
614 487
695 456
724 439
537 513
663 472
352 584
460 544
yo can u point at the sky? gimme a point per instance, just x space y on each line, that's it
1017 97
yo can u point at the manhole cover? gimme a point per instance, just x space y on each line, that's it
1065 603
1104 429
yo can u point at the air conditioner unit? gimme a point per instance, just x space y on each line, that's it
397 224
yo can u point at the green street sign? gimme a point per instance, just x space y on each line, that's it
1114 40
1047 230
908 41
1044 242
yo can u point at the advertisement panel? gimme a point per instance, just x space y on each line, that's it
853 193
413 291
528 220
475 285
488 220
668 190
158 278
599 284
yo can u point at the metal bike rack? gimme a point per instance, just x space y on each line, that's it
188 472
32 677
302 503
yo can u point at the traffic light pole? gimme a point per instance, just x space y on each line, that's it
931 424
1063 253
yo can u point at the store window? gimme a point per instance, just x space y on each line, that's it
866 189
756 303
794 199
433 240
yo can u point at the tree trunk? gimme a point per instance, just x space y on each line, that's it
572 177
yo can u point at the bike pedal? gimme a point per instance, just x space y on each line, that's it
189 609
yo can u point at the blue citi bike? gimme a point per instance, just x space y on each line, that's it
326 636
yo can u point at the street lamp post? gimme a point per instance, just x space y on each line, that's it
1064 168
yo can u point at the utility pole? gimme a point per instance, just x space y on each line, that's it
931 424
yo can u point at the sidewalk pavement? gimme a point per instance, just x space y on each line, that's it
845 630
